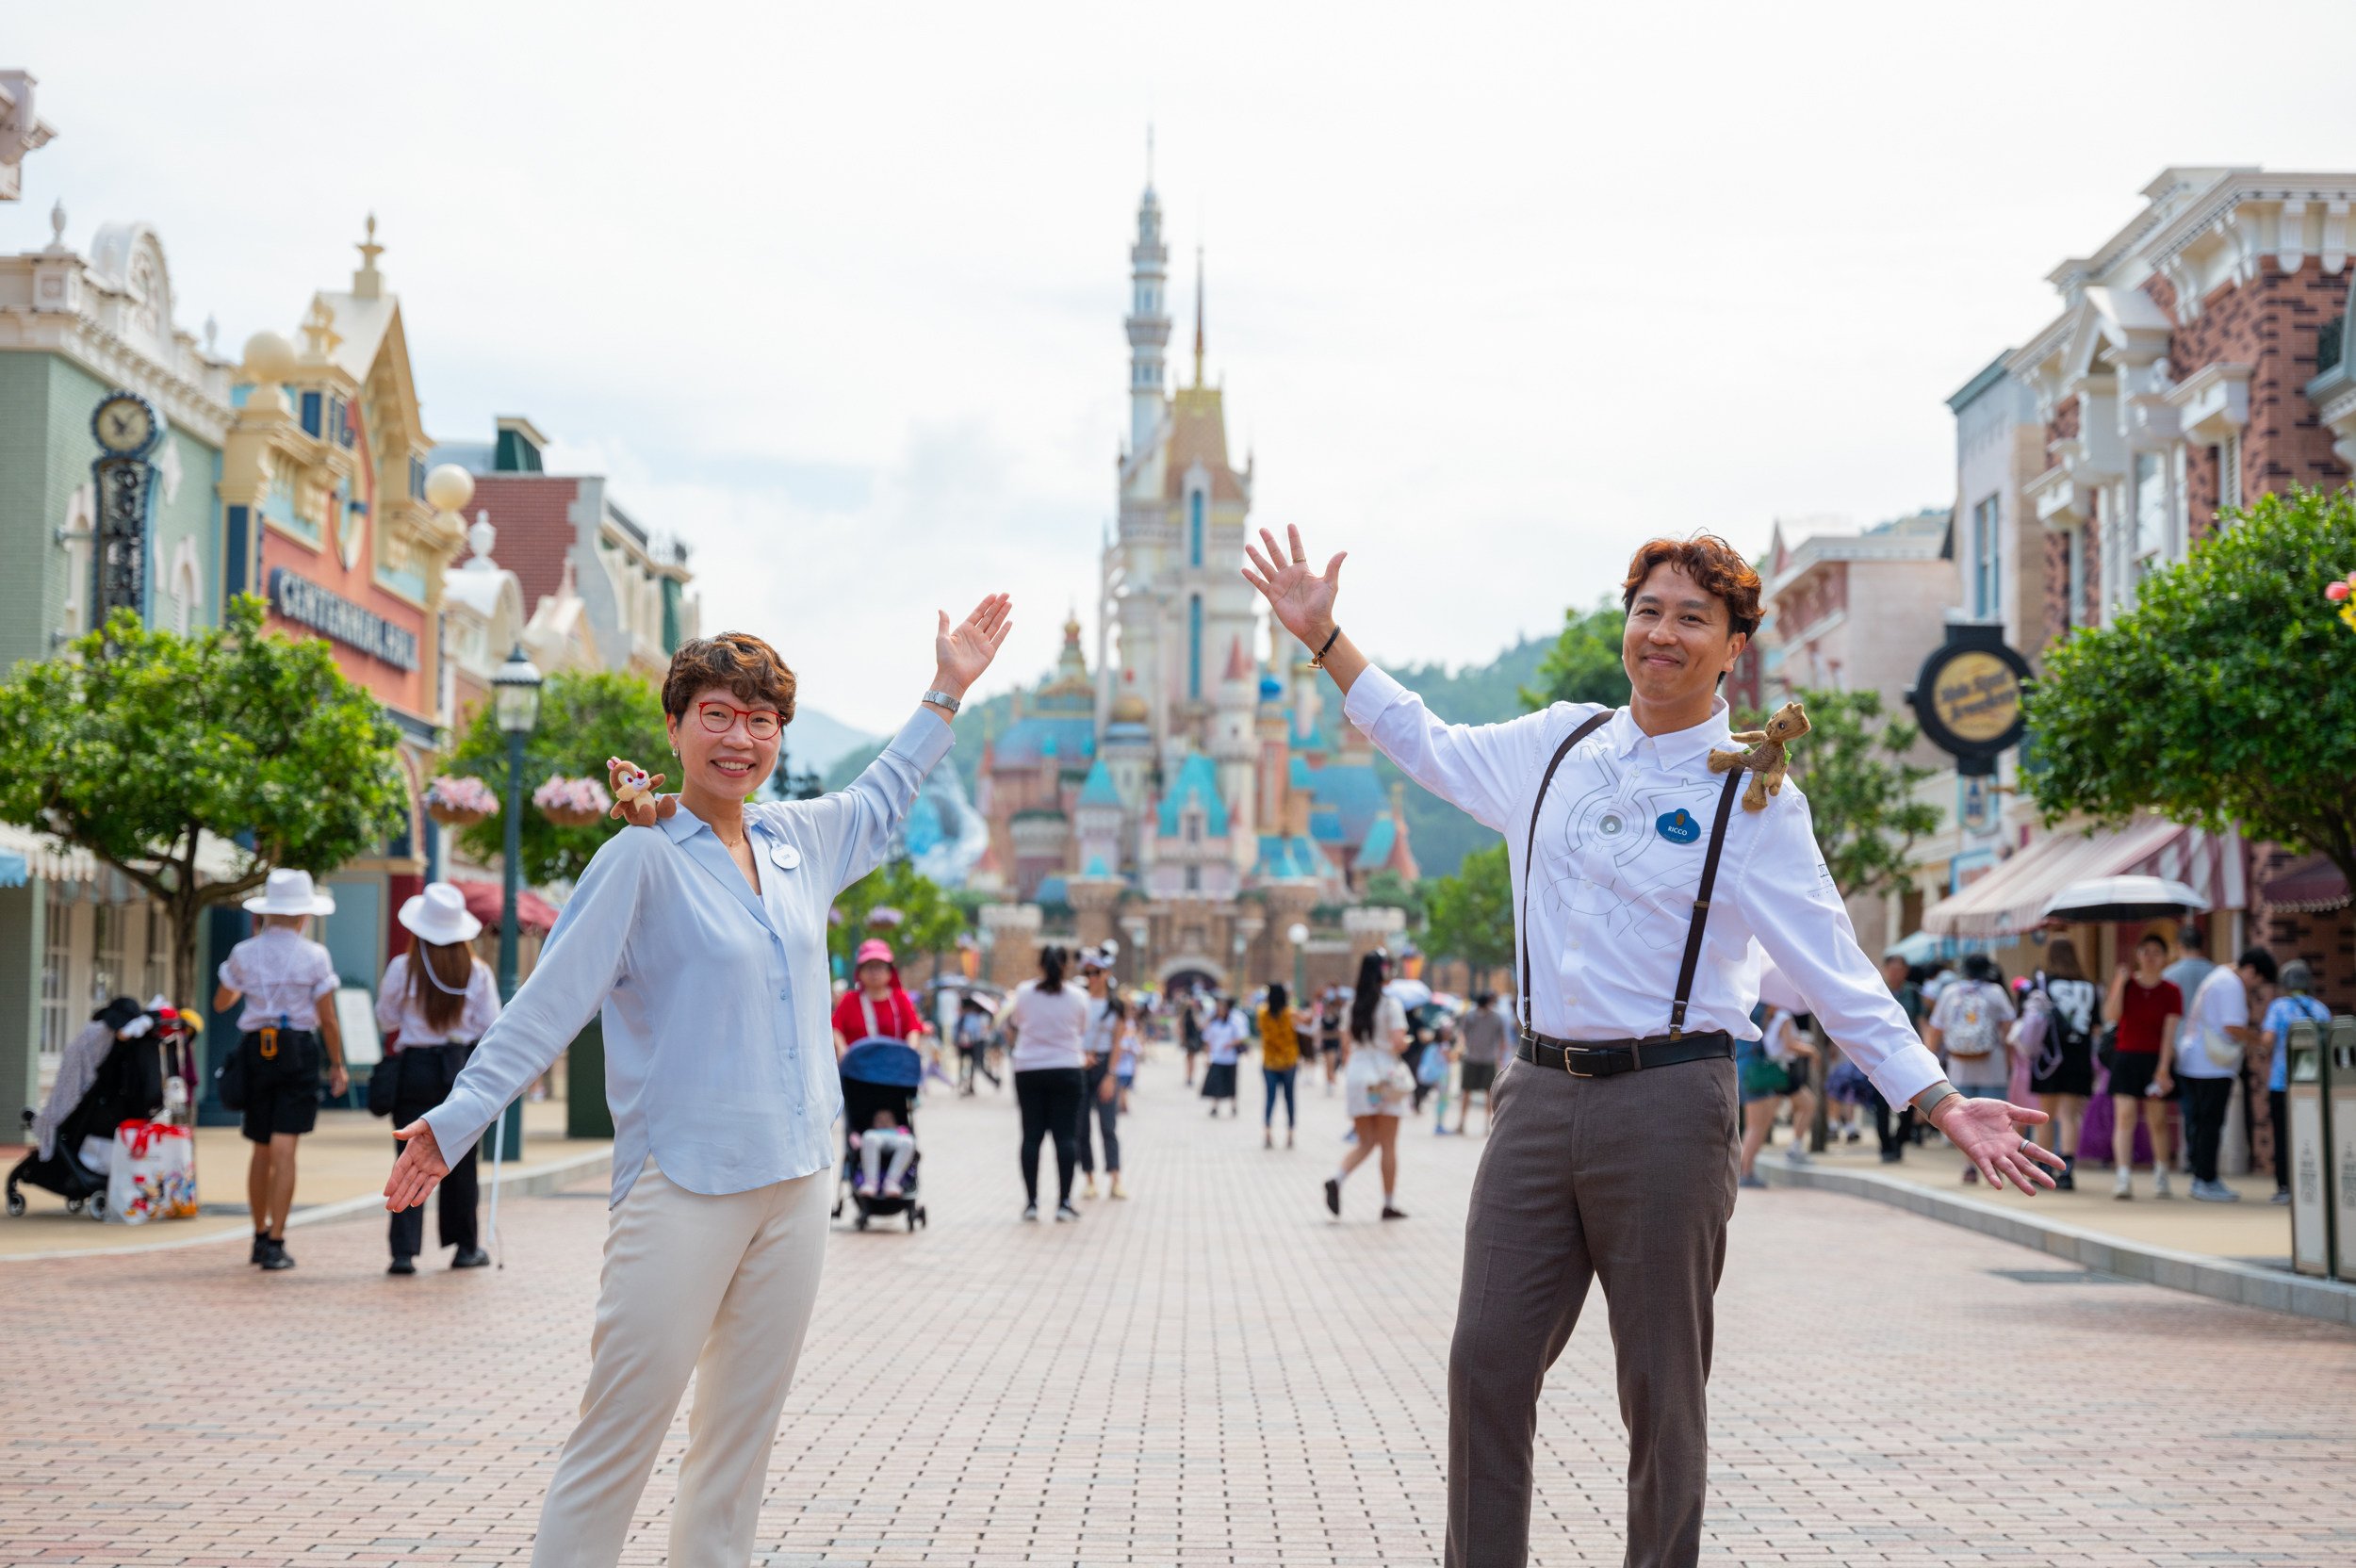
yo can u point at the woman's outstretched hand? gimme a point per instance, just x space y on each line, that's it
962 652
648 809
1302 599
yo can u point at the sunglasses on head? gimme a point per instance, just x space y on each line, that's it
718 718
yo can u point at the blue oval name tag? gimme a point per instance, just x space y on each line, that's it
1678 827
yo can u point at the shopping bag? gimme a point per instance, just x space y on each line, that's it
153 1175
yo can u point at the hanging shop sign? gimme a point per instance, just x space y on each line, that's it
1968 696
305 603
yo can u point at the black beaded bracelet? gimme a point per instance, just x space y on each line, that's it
1316 659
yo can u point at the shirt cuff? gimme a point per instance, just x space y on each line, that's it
925 740
1904 1073
1371 696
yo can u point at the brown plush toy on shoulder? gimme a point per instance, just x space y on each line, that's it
1770 757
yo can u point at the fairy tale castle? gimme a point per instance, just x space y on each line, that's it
1191 797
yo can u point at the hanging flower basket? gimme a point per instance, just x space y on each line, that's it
460 801
883 916
572 801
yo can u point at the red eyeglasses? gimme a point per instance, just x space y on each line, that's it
718 718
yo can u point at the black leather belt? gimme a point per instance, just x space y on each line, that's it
1604 1058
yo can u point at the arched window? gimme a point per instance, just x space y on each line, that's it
1194 527
1194 644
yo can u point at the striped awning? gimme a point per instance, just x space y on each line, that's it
2313 886
2010 899
50 858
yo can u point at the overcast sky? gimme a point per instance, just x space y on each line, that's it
834 293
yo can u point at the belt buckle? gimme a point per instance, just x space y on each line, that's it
1568 1051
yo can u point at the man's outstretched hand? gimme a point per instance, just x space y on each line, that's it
1989 1133
1302 599
418 1168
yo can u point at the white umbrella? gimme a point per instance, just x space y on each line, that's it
1409 993
2110 898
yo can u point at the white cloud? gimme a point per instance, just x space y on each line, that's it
835 295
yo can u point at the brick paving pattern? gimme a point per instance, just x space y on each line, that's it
1210 1373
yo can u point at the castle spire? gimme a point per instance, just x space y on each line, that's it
1148 321
1198 317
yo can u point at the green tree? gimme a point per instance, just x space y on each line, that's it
1860 788
1389 890
2226 694
144 740
585 717
930 920
1472 912
1584 664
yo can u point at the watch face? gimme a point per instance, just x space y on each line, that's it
126 424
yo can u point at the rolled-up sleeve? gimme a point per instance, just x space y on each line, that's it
1485 770
851 829
1787 897
578 965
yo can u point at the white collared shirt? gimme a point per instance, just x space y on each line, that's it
281 974
1620 844
398 1011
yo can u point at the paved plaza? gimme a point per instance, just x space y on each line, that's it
1212 1372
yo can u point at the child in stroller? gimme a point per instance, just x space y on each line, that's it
880 1077
109 1073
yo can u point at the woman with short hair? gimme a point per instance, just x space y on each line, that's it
701 933
433 1004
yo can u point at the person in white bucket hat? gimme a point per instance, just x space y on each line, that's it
283 1033
433 1004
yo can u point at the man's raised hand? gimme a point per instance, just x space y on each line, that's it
1988 1132
1301 600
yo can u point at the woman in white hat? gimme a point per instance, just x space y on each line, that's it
282 977
435 1002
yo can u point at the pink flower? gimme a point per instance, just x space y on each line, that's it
2337 592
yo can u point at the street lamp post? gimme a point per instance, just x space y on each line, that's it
1298 934
515 695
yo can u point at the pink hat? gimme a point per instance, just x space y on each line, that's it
874 949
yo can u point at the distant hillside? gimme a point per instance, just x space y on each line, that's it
1476 693
1442 835
816 739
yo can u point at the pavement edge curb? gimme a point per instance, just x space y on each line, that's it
2221 1279
531 1180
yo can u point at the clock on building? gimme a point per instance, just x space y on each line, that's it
126 425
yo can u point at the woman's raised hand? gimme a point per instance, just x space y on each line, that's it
648 809
1302 599
962 652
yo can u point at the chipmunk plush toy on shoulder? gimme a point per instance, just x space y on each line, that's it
1770 757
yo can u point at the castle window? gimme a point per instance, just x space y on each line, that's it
1194 644
1194 528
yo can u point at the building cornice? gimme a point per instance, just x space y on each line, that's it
202 411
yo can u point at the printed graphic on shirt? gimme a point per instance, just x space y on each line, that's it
1635 883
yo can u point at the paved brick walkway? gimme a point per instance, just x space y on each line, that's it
1211 1373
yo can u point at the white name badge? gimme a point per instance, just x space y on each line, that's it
784 856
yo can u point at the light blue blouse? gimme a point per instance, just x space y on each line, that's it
719 1054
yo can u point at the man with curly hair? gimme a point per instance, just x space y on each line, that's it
1641 900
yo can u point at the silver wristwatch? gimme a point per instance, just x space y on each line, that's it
941 699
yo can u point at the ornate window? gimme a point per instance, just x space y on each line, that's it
1194 527
57 972
1985 546
1194 644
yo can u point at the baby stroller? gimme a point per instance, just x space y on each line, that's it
880 1074
104 1077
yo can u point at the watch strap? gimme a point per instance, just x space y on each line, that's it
939 699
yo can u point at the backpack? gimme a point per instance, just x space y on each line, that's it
1973 1033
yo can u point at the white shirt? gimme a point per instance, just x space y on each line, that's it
2220 1001
280 974
1960 1005
1223 1035
1615 892
398 1012
1049 1026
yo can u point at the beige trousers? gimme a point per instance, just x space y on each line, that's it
721 1287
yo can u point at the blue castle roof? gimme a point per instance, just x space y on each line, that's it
1381 837
1099 788
1198 781
1028 741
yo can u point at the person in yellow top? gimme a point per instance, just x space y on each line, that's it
1280 1061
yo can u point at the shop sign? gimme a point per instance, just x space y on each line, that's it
305 603
1968 696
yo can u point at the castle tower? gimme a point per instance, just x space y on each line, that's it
1149 317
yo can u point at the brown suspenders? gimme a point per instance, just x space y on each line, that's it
1701 897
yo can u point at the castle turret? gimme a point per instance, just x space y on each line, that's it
1149 318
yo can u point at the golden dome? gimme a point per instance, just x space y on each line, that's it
1129 708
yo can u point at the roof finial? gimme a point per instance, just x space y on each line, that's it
1149 155
57 225
1198 317
368 282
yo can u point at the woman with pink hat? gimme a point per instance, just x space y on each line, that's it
433 1004
876 1005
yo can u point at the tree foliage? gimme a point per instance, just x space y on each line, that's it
1583 665
929 920
143 740
1387 889
1472 912
2226 694
585 717
1860 788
